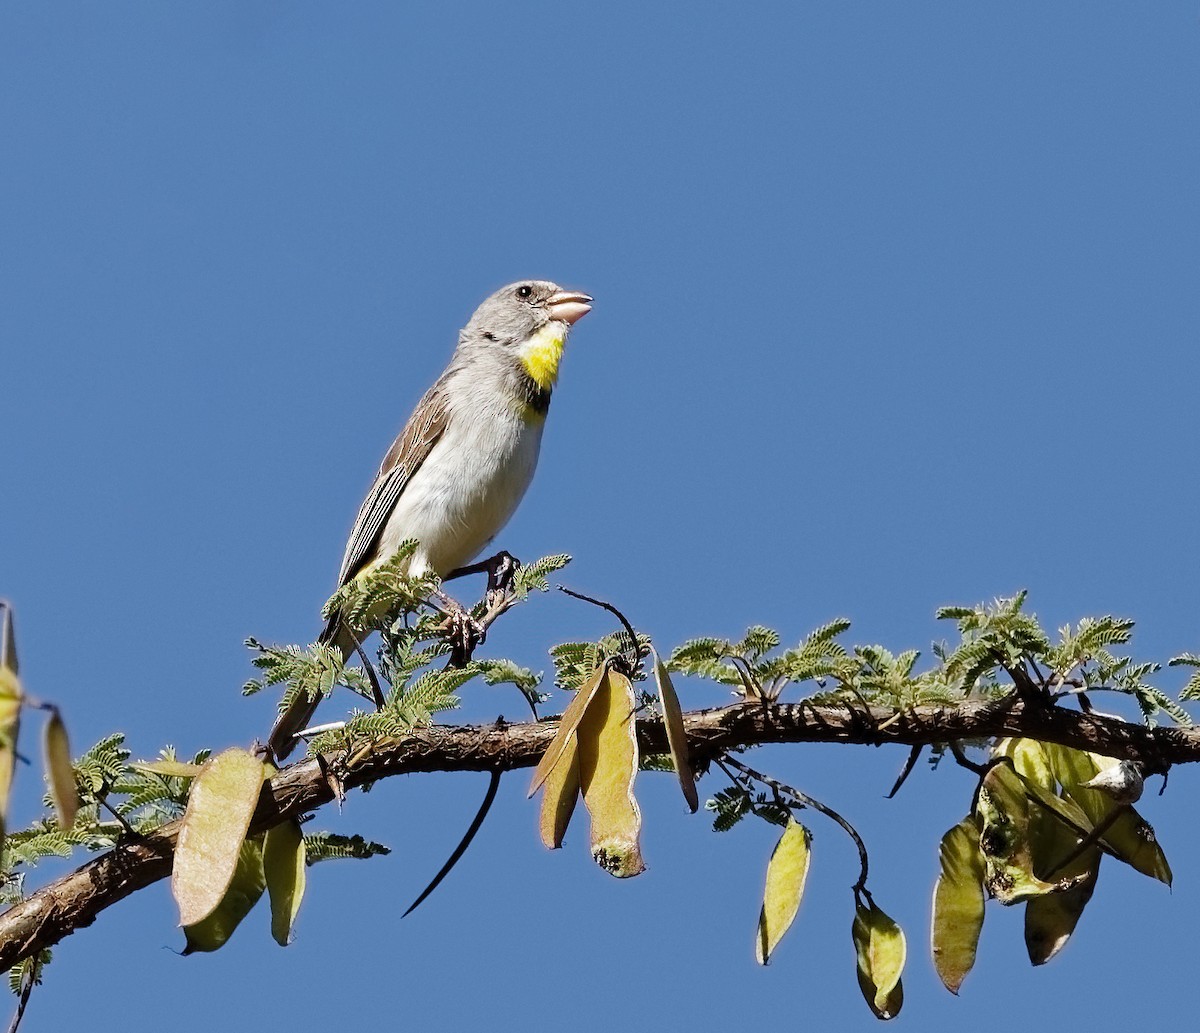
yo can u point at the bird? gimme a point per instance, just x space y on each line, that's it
462 463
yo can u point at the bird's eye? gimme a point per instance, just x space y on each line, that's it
490 336
524 291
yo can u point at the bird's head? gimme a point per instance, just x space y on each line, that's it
529 319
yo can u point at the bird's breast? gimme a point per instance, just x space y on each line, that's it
468 487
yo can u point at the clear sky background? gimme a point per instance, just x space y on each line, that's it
896 306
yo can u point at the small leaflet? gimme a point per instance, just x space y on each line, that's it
567 726
608 762
245 888
786 873
219 809
881 949
283 867
56 752
559 796
676 736
958 901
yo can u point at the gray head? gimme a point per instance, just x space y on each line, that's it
514 314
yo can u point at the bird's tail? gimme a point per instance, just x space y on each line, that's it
298 714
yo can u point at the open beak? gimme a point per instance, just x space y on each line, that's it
568 306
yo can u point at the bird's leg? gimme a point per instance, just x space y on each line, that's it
463 630
499 569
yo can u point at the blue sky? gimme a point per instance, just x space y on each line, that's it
895 306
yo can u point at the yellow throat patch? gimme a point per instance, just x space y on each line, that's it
541 356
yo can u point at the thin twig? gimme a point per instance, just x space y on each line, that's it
816 805
633 639
960 758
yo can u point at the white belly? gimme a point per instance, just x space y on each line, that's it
466 490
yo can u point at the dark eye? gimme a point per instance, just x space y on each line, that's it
524 291
491 336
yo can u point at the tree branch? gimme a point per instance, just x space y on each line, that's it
74 901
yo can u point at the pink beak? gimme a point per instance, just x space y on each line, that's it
568 306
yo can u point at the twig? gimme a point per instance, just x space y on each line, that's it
816 805
633 639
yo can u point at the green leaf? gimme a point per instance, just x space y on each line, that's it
331 846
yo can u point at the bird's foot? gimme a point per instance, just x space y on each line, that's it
465 633
500 570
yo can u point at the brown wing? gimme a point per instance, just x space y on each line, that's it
425 426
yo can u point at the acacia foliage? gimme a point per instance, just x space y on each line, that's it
1037 827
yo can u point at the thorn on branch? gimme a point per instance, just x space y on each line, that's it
907 770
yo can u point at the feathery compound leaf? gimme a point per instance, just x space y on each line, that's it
505 672
245 887
881 950
374 597
56 751
219 809
787 871
606 741
676 735
1191 691
730 806
28 971
958 901
757 642
283 868
330 846
309 674
532 576
103 765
